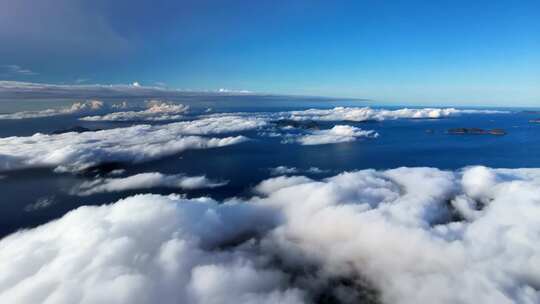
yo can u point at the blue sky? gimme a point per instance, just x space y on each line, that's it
424 52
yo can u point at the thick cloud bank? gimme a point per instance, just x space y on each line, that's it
338 134
140 250
145 181
156 111
366 113
408 235
76 108
78 151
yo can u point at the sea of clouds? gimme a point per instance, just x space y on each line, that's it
159 110
407 235
156 111
367 113
143 142
86 107
74 151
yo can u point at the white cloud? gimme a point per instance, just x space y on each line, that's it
338 134
81 80
316 170
271 185
41 203
366 113
223 90
145 181
15 70
142 249
78 151
393 230
76 108
284 170
156 111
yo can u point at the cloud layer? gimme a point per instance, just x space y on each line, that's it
408 235
78 151
24 90
75 108
366 113
156 111
145 181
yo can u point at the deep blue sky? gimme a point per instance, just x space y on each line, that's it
425 52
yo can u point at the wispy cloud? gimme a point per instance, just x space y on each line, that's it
81 80
10 70
147 180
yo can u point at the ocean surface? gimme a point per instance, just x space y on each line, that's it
34 196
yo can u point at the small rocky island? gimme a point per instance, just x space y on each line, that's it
77 129
307 125
476 131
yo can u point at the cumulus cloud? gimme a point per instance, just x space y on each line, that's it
77 151
76 108
338 134
142 249
145 181
367 113
156 111
389 236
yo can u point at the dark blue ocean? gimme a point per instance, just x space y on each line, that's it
401 142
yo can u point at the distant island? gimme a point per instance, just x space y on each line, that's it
307 125
77 129
476 131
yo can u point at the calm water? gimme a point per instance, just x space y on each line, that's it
401 143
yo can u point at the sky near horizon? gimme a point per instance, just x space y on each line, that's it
423 52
